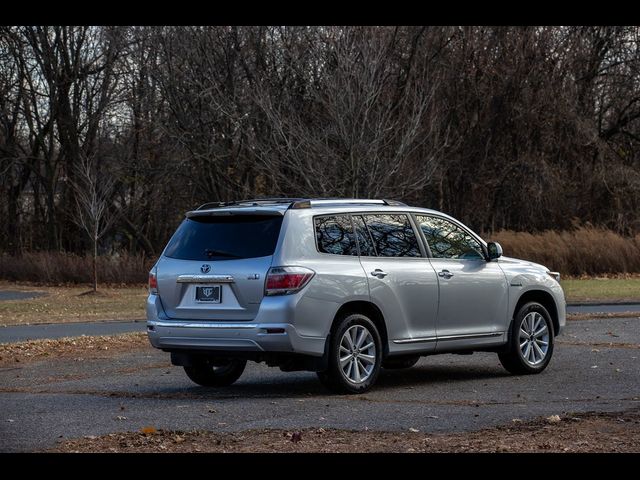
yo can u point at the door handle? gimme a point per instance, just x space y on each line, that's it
445 274
379 273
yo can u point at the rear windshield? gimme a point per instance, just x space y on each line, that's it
225 238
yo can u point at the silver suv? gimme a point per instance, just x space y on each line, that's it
342 287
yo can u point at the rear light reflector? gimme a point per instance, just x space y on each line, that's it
275 330
286 280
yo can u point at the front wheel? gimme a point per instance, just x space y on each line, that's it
216 372
531 341
355 354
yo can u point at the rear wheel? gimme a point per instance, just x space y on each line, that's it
395 363
216 372
355 355
531 341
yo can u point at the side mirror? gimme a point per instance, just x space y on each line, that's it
494 249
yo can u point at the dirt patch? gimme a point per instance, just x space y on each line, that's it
591 432
602 315
99 346
95 293
598 344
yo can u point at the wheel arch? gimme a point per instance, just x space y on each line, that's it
543 298
370 310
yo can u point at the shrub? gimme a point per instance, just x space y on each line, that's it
57 268
582 251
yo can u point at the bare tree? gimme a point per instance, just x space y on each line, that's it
93 193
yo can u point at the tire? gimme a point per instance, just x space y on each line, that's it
216 372
396 363
527 359
367 361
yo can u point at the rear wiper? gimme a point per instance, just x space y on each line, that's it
219 253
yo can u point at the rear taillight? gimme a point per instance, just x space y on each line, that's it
153 282
286 280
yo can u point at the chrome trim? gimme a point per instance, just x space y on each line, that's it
187 324
205 279
416 340
449 337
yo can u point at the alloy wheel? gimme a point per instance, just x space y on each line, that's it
357 354
534 338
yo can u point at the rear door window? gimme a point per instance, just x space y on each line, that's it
364 238
334 234
213 237
392 235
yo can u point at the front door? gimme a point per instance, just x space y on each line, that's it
473 300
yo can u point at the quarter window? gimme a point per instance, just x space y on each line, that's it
447 240
334 234
392 235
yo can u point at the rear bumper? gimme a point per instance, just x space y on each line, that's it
227 337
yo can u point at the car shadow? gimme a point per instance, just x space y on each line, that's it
306 385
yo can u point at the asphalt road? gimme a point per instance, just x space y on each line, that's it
595 368
14 295
21 333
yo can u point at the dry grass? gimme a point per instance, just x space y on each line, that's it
68 304
76 347
594 432
583 251
61 268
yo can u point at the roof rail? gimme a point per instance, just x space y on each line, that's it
251 201
296 203
308 203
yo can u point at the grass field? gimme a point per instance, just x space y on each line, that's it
64 304
68 304
605 289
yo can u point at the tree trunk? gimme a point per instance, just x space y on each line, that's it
95 263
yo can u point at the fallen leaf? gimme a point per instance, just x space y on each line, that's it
148 430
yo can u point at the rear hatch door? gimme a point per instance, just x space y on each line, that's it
214 266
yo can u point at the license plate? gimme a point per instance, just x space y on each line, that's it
211 294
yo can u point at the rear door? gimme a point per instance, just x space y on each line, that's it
214 266
401 281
